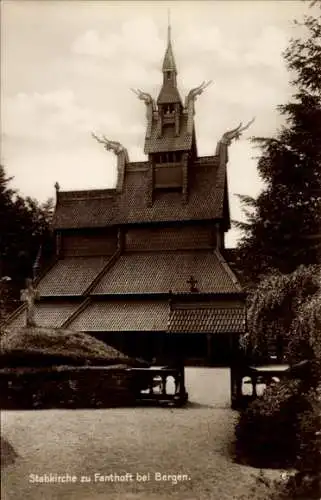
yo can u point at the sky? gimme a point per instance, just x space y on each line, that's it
67 68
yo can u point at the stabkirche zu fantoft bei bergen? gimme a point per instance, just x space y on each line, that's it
141 266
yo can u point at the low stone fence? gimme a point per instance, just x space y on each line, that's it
66 387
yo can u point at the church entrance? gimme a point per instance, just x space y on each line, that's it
195 349
199 349
218 349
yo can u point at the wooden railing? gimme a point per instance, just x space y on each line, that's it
151 384
267 375
258 377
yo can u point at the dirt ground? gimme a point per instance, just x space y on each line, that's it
135 453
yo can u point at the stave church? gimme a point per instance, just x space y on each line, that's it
141 266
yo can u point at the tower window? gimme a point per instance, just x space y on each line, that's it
168 75
169 109
168 157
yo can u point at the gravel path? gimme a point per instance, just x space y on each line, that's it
194 442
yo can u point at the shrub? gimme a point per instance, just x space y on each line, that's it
306 483
66 387
40 346
267 429
283 429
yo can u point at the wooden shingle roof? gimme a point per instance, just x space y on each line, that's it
169 59
101 208
75 209
139 315
207 320
168 141
123 316
160 272
71 276
169 94
139 273
52 314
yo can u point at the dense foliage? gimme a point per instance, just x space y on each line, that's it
284 314
24 227
306 328
283 229
280 253
286 424
267 428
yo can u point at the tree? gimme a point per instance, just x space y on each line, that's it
24 226
282 237
283 228
284 314
286 421
306 327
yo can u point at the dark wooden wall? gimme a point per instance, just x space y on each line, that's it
171 238
88 243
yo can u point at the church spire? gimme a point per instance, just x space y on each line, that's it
169 61
169 93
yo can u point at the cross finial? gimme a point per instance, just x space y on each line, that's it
29 295
192 283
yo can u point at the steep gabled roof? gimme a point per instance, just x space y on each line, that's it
169 60
80 209
169 94
160 272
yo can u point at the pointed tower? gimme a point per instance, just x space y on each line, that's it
170 140
169 94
